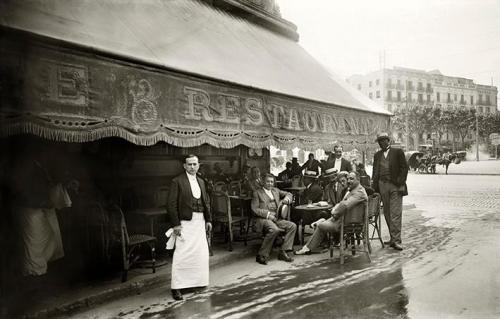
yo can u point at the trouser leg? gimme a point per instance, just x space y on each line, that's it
319 233
396 205
290 229
385 196
270 231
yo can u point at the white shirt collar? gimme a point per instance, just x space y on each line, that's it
386 152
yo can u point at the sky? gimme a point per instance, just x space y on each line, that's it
458 37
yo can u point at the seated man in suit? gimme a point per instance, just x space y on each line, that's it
313 191
355 196
265 204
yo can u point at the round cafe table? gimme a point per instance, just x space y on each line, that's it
306 214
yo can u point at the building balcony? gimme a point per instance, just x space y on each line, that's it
410 88
429 90
420 89
390 86
400 87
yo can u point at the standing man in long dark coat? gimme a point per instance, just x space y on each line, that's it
389 179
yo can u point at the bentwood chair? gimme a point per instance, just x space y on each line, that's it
220 187
354 228
374 218
131 244
222 214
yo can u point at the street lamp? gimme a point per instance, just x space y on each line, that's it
477 136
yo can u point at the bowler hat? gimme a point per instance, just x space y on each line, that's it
382 136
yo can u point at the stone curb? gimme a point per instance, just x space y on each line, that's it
137 287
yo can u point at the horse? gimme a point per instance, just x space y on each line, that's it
446 161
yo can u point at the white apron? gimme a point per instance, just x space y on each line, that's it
190 261
41 233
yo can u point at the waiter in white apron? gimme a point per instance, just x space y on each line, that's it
188 207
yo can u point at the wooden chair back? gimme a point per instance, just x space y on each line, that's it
220 187
235 188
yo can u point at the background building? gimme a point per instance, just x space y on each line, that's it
401 87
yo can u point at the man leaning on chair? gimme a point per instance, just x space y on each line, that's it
266 202
356 195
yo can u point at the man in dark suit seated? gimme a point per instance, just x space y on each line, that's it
351 202
265 204
313 191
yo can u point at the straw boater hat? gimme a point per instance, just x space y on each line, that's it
382 136
330 172
311 174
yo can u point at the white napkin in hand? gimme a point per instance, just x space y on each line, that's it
171 239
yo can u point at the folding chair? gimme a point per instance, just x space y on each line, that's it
374 218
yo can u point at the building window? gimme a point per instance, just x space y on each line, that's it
486 109
420 86
399 83
389 107
377 82
399 96
410 85
480 109
370 95
409 97
389 95
449 98
428 98
487 100
462 100
420 98
471 100
370 84
359 87
389 81
454 97
480 99
438 96
378 94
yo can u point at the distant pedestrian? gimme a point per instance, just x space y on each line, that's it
389 179
188 207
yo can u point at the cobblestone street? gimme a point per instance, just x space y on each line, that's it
449 269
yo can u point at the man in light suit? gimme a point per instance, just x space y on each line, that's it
389 179
188 207
335 160
351 202
265 204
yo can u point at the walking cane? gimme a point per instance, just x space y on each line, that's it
209 241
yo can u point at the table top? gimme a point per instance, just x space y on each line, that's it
149 212
242 197
314 207
296 188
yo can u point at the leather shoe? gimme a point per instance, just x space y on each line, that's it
302 251
176 294
284 256
397 246
261 260
388 243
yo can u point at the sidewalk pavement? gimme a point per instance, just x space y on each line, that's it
140 280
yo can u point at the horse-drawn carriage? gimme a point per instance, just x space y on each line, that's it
422 163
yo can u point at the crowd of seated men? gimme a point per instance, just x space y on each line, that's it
335 181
